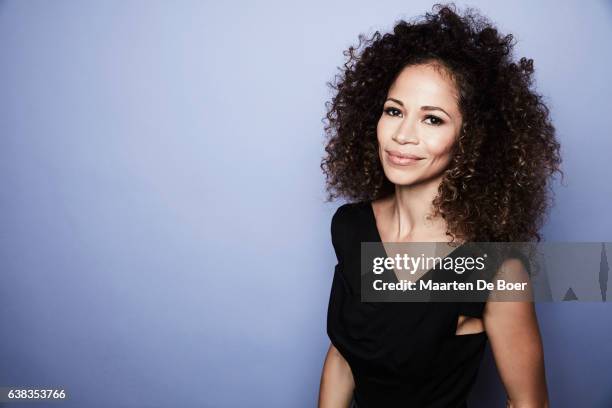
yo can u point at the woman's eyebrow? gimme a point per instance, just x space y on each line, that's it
431 108
425 108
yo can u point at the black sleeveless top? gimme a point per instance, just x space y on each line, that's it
401 354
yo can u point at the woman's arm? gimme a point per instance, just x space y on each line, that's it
337 384
512 328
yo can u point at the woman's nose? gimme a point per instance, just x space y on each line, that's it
406 133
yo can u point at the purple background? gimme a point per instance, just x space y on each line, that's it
164 238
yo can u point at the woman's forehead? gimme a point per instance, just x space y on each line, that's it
424 81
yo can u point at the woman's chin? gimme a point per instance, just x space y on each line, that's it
402 179
405 178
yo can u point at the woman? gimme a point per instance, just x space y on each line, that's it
435 136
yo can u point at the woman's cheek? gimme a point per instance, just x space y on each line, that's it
382 129
440 145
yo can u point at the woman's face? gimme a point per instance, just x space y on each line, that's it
420 121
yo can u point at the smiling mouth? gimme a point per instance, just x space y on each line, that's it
402 160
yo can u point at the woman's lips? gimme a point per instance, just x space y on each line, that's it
401 159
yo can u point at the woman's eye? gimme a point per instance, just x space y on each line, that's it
433 120
392 111
436 121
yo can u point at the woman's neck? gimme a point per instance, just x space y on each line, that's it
408 211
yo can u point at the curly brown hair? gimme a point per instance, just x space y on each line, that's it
497 185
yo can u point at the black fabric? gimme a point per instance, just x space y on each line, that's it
402 354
